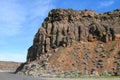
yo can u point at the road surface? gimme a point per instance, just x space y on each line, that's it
10 76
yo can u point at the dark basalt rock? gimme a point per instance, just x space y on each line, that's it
65 27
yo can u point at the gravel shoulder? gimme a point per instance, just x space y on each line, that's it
11 76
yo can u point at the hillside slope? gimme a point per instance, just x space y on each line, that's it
75 42
8 66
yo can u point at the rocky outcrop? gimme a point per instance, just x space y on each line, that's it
70 40
6 66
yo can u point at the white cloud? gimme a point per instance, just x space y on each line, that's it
11 17
18 22
107 3
13 14
40 8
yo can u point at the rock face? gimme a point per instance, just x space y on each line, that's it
8 66
71 42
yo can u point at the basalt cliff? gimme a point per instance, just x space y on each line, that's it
75 42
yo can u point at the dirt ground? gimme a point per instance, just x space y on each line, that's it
11 76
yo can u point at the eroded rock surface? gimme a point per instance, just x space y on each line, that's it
71 42
6 66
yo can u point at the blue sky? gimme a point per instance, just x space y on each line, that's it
20 20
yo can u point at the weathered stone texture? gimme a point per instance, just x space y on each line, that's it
64 30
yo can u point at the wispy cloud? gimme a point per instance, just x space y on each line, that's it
13 15
18 21
40 8
107 3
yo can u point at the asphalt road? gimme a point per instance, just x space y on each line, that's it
10 76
